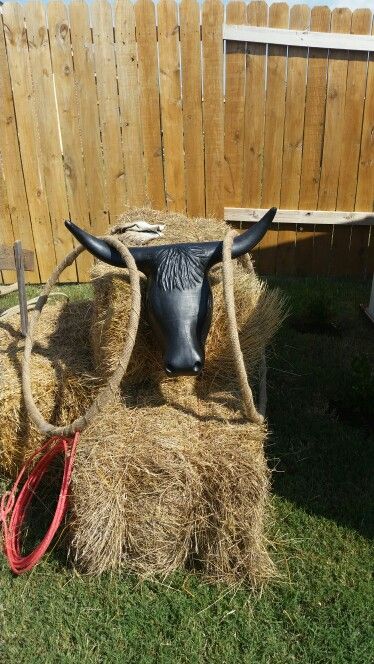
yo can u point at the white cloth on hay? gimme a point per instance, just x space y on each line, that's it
138 232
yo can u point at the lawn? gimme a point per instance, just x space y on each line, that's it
321 608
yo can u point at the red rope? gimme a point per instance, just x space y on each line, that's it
13 509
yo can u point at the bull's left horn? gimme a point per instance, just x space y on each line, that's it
100 249
246 241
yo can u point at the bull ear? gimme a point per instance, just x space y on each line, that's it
246 241
100 249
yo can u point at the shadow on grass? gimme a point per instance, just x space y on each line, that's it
322 463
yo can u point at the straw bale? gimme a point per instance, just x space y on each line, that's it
61 371
259 311
158 488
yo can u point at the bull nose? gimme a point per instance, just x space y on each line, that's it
175 369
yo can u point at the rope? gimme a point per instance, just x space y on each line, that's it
250 409
106 393
13 509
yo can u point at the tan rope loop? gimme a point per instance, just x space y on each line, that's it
250 409
107 392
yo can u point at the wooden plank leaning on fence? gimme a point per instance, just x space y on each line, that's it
189 16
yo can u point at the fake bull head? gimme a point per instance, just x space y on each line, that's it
179 297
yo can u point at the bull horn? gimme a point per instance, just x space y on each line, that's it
100 249
246 241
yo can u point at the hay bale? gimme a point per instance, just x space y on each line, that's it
156 489
259 311
62 379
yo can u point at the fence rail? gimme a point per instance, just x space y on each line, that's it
104 106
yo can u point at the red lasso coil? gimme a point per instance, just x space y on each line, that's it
13 509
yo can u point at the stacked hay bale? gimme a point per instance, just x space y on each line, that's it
62 378
171 475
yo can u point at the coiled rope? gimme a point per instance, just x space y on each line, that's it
64 439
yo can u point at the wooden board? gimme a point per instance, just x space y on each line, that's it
85 88
299 38
107 94
50 154
350 151
171 105
68 114
274 126
128 88
149 101
297 62
314 120
213 111
13 184
7 261
254 113
304 217
236 12
189 16
333 138
25 112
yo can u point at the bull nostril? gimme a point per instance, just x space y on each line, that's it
197 367
169 370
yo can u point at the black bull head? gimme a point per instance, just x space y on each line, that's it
179 297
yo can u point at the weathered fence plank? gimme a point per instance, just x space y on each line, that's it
274 131
50 153
236 12
254 112
213 111
85 87
315 104
297 63
128 88
171 105
149 101
62 62
189 16
23 97
107 93
11 165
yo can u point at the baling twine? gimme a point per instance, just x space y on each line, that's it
108 392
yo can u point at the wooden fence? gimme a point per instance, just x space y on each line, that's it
106 106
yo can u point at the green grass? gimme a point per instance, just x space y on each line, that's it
322 608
